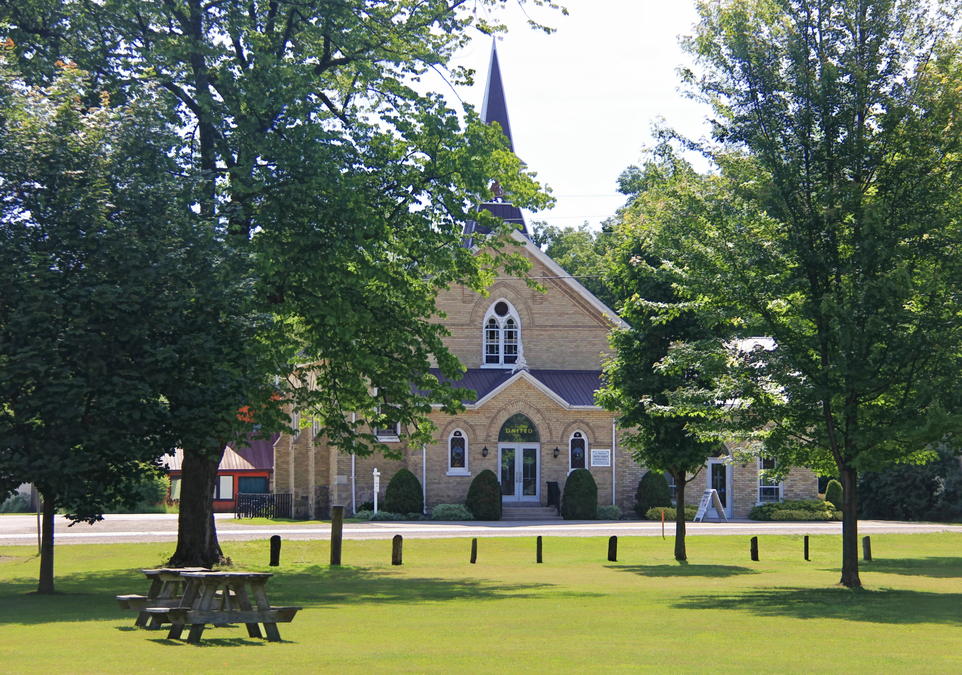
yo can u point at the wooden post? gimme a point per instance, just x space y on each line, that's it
663 523
867 549
275 550
337 527
612 549
396 549
474 550
540 560
755 549
806 547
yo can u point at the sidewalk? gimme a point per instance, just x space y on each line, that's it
22 529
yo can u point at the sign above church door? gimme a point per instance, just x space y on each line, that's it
518 429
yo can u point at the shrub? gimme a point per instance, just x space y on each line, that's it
580 498
367 506
15 503
833 494
653 490
404 493
451 512
387 515
414 516
912 492
800 509
655 513
484 496
608 512
365 514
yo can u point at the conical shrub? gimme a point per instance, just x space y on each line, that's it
404 494
580 498
484 496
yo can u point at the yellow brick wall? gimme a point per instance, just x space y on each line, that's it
560 329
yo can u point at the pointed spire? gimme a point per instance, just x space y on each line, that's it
494 108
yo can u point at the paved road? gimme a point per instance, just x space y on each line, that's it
17 529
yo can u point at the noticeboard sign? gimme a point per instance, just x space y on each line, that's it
600 457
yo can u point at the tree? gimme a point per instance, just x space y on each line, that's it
832 226
658 319
91 210
313 150
580 252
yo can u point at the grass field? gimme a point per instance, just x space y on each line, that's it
576 613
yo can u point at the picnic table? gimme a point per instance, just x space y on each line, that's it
165 591
222 598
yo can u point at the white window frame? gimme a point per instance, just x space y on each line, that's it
571 439
672 485
764 484
501 321
457 470
390 434
296 424
219 491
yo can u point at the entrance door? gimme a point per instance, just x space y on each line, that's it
720 480
520 473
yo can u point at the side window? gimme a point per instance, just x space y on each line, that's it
671 485
458 453
577 449
296 424
501 337
224 488
174 489
768 490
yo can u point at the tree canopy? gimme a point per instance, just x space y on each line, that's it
831 227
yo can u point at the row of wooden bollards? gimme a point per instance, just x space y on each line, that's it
398 543
866 549
337 525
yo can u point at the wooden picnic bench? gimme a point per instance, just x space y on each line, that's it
222 598
164 591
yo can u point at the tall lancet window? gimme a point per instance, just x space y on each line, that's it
502 335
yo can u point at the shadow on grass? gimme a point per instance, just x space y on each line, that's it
91 597
941 568
870 606
215 642
685 570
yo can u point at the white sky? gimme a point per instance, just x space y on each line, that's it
581 101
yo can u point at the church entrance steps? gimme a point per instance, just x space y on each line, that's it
529 513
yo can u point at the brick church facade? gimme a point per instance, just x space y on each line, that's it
534 359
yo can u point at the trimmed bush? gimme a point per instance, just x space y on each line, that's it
484 496
655 513
387 515
414 516
580 498
404 493
608 512
15 503
653 490
451 512
833 494
367 506
800 509
365 514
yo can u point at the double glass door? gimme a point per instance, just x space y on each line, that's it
520 472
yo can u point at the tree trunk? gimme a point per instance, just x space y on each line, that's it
45 586
196 535
849 480
680 553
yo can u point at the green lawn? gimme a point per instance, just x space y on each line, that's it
576 613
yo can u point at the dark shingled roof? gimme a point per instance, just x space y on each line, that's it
576 387
258 457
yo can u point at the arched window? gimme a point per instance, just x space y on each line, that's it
502 335
577 451
458 453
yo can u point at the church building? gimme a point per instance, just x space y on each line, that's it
535 360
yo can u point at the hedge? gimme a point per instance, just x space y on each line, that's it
451 512
655 513
800 509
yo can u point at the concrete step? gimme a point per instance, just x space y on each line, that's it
529 513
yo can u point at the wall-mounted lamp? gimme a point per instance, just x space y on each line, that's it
484 451
557 451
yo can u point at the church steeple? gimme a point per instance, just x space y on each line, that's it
494 108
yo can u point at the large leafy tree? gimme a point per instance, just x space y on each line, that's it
319 157
658 319
98 252
832 226
581 252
